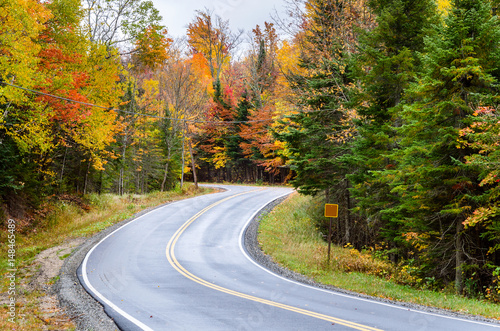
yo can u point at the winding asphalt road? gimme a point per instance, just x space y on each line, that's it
183 267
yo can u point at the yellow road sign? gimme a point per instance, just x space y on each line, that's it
331 210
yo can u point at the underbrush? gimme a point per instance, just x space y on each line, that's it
290 236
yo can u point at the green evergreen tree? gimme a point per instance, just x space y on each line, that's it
390 53
434 185
322 90
320 134
238 162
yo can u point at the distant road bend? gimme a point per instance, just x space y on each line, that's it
183 267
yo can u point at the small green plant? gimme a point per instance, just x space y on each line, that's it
65 256
54 280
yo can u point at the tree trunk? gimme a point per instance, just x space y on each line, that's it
183 162
195 179
348 215
122 169
99 187
62 168
459 259
165 175
144 184
120 182
86 178
138 180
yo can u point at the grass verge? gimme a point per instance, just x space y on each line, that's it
63 221
297 245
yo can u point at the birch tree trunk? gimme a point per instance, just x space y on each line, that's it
183 161
195 179
165 175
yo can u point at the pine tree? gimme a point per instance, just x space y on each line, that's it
238 162
435 187
389 52
321 132
323 92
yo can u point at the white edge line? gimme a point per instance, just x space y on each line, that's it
333 292
97 293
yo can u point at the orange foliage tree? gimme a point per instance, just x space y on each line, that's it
151 47
211 36
64 71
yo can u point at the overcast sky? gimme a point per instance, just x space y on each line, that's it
244 14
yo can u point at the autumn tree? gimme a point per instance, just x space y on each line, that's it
151 47
76 127
217 129
184 95
482 135
262 63
20 24
212 37
116 23
212 43
56 124
256 139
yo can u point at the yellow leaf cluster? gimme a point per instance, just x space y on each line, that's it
20 24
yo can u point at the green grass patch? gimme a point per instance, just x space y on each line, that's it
65 256
289 235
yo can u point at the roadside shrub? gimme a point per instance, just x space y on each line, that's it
493 291
349 259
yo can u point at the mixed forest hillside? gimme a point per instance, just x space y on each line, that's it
388 108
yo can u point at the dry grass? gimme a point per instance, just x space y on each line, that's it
289 236
65 220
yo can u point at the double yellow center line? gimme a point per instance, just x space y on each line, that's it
175 263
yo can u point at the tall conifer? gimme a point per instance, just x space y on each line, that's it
386 65
326 46
435 186
322 129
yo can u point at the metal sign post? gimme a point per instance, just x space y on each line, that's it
331 211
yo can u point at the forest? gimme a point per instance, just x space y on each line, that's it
388 108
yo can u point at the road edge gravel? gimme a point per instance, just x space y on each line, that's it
89 314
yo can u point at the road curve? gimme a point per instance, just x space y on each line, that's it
183 267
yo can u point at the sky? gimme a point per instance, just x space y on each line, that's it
242 14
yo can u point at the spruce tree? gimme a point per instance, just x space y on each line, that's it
435 187
322 90
321 132
235 153
386 64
